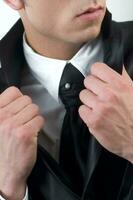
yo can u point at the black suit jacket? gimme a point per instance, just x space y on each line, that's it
108 177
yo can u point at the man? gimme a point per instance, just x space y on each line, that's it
98 160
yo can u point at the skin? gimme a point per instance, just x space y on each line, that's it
52 25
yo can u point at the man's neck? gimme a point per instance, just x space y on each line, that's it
52 48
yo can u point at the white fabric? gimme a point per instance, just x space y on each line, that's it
1 198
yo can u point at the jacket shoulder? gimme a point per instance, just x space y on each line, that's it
13 36
126 29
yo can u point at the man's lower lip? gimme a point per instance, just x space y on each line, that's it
90 16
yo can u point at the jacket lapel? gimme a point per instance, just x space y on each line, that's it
113 46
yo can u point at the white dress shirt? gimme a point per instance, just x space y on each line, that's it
41 82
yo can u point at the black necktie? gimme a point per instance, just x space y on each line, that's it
74 136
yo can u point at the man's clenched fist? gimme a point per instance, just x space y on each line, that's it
20 123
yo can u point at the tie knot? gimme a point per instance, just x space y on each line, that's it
70 86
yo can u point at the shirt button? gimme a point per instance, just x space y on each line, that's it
67 86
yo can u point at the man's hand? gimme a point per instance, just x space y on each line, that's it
20 123
108 109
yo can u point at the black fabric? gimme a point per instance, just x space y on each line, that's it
107 176
47 181
73 157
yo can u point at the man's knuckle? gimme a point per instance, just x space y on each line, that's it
6 113
94 67
88 80
83 93
23 133
41 120
111 97
94 124
7 126
14 90
35 108
103 109
27 99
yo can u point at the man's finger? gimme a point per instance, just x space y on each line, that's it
106 74
97 86
26 114
18 104
35 125
85 113
9 95
88 98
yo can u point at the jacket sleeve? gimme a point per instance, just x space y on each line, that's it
47 181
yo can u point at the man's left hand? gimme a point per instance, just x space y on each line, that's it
108 109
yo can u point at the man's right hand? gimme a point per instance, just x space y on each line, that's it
20 123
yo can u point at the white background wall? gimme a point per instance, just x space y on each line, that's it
122 10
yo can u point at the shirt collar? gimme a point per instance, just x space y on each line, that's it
90 53
48 71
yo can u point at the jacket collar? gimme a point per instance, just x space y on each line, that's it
11 56
112 44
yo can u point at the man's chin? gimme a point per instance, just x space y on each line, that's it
88 36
